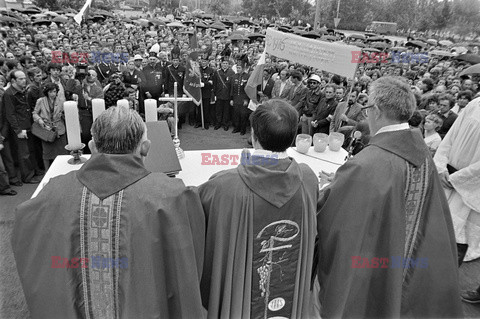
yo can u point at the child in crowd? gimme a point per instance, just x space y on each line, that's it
433 122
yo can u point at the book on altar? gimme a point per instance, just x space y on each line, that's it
162 156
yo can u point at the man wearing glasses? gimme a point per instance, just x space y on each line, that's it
386 239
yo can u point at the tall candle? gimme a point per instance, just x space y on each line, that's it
98 106
72 123
175 108
151 114
123 103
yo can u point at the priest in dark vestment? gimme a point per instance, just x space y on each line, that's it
112 240
386 241
261 226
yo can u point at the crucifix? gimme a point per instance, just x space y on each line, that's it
175 99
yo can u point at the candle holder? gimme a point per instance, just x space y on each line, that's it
176 144
76 151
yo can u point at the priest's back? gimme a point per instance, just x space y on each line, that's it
261 226
112 240
386 242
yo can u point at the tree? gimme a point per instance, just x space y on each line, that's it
49 4
269 8
218 7
446 11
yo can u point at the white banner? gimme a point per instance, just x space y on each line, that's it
331 57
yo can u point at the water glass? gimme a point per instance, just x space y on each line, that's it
303 143
320 141
335 141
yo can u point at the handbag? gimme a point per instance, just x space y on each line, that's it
42 133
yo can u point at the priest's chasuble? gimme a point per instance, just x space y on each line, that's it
260 240
386 242
111 240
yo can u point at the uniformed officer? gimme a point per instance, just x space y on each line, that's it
174 73
154 81
239 98
207 87
221 87
103 67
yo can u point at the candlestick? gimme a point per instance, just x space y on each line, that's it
72 124
123 103
176 140
98 106
175 108
151 114
76 152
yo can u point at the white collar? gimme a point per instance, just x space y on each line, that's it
393 128
265 153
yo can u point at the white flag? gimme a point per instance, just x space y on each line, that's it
78 17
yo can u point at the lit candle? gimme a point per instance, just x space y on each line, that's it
151 114
98 106
123 103
72 123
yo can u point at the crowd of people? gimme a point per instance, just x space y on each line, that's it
253 241
32 56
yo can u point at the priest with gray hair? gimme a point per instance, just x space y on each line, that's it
386 242
112 240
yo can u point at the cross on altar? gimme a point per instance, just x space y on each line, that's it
175 99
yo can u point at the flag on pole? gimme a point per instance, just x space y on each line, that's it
255 79
191 83
83 13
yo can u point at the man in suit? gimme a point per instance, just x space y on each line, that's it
326 109
446 102
298 93
282 87
207 86
265 89
221 88
347 114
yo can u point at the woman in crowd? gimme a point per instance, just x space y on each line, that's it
49 114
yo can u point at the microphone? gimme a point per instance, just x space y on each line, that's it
356 136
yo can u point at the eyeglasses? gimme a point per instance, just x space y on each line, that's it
365 109
312 82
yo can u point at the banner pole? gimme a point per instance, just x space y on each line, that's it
201 111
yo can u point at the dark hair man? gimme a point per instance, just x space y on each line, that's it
261 217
